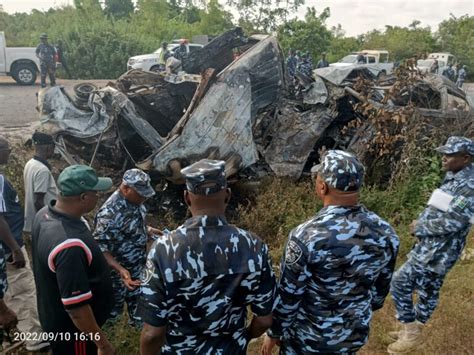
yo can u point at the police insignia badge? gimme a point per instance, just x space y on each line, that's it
147 272
293 253
460 202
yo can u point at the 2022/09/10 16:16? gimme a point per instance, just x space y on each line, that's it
59 336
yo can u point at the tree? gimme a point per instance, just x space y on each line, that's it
401 42
118 8
264 16
310 35
455 35
87 4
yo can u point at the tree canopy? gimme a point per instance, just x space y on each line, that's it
98 39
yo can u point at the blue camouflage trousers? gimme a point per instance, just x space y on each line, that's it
123 295
409 279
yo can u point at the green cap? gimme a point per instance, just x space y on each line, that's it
77 179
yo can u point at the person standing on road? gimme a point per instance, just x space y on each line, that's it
336 268
201 277
461 76
72 276
40 186
21 294
62 58
323 63
441 231
45 52
122 234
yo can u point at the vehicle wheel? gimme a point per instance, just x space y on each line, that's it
83 90
24 74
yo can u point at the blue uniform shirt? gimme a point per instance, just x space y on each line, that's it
336 270
120 229
12 211
442 235
199 281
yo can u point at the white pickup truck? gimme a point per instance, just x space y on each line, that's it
20 63
374 59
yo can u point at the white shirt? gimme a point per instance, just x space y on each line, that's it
38 179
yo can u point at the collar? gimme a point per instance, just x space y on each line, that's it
339 210
465 173
127 203
205 221
43 161
54 212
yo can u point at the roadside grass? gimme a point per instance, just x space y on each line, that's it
274 206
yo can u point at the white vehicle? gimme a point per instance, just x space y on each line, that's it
150 62
377 59
444 59
20 63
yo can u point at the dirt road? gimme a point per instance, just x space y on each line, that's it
17 103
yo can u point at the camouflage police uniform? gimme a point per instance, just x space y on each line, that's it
336 270
180 53
441 238
291 63
120 229
201 277
45 53
306 67
3 273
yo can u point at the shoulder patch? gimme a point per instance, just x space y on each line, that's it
293 253
147 272
460 202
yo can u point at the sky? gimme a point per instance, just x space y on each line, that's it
355 16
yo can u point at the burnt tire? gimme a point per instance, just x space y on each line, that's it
83 90
24 74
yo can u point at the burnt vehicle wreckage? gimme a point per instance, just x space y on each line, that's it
243 110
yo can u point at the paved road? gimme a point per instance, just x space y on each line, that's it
18 103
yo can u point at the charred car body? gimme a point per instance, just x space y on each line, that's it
238 110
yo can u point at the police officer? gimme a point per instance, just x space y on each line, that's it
449 72
336 268
461 76
323 63
181 52
201 277
45 52
305 66
291 63
122 234
441 231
